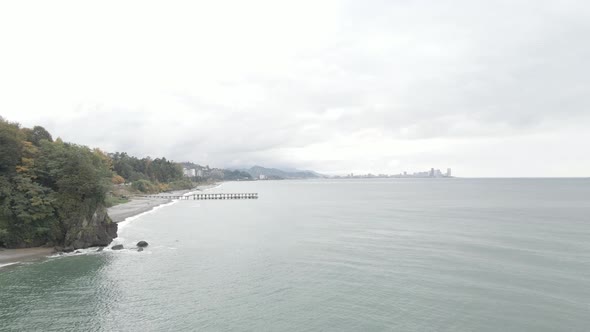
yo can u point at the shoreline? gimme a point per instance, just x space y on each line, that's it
138 205
14 256
118 213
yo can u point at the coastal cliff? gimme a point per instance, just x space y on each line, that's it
54 193
95 230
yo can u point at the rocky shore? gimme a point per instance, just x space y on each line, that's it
118 213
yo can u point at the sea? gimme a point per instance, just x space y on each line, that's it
328 255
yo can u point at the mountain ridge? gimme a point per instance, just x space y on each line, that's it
276 173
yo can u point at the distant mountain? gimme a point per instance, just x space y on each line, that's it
275 173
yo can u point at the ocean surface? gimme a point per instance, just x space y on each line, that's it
329 255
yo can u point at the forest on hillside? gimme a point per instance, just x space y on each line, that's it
54 193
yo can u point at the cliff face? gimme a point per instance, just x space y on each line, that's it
97 230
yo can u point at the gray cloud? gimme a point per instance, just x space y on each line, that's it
381 86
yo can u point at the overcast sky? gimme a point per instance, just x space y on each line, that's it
488 88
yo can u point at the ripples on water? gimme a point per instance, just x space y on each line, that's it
410 255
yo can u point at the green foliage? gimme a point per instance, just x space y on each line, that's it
28 212
236 175
37 134
46 187
10 146
115 200
145 186
158 170
49 189
181 184
148 187
79 176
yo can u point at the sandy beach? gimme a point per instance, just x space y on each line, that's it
134 207
139 205
117 213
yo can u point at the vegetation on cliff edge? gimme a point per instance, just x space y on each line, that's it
51 191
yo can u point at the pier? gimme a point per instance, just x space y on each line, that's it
208 196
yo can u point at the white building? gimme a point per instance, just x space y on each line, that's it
189 172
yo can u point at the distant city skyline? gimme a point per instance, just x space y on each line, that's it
493 89
432 173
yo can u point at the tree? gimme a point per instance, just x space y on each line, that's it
39 133
36 134
28 213
117 179
10 146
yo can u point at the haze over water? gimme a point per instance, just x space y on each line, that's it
349 255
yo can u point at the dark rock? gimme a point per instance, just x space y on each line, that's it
77 252
97 229
140 249
100 249
142 244
117 247
68 249
58 248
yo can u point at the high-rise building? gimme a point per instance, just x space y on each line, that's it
431 172
448 172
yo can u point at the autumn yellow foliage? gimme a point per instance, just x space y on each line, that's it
117 179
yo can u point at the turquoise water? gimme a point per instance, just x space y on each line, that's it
349 255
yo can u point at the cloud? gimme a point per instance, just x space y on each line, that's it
336 86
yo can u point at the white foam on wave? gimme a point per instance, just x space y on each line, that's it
8 264
125 223
130 251
128 220
87 251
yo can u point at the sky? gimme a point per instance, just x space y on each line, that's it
487 88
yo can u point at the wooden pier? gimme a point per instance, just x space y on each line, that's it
208 196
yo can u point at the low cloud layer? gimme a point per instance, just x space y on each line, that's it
489 89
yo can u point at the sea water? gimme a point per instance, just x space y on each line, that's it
329 255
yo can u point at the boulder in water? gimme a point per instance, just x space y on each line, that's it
142 244
68 249
117 247
99 249
140 249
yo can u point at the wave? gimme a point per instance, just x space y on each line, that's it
125 223
128 220
7 264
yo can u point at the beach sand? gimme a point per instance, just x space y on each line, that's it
134 207
139 205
